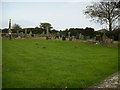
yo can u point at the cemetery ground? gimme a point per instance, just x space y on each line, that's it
40 63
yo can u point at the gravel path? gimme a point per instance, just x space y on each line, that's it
113 82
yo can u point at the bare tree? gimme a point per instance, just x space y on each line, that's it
104 12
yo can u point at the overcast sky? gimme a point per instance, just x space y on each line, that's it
61 14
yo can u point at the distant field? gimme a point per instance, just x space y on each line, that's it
38 63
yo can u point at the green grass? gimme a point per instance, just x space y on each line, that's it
40 63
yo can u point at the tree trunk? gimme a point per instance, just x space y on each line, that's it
110 25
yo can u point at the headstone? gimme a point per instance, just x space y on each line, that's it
70 38
25 33
30 34
104 37
68 34
57 35
21 35
81 36
108 41
17 33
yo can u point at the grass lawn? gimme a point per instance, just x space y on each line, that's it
38 63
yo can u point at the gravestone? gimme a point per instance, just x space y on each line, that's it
68 34
21 35
80 35
104 37
73 37
25 33
108 41
57 35
70 38
17 33
30 34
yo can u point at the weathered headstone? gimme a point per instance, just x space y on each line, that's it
80 35
17 33
57 35
30 34
25 33
68 34
108 41
70 38
21 35
104 37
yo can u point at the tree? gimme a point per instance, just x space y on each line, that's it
45 26
104 12
16 26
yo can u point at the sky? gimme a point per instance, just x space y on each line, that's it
60 14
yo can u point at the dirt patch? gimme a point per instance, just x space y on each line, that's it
41 47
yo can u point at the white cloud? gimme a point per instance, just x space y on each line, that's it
48 0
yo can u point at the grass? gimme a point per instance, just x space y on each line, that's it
40 63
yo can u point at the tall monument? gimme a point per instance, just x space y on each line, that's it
9 30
